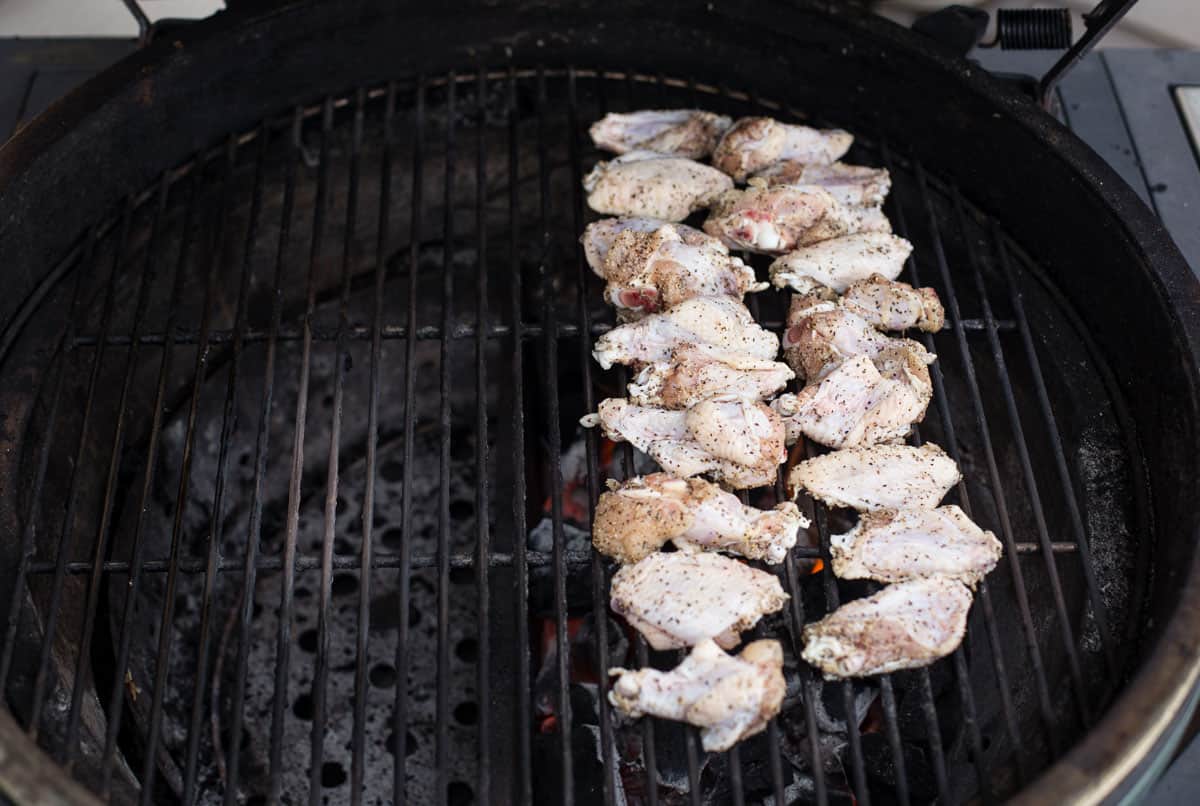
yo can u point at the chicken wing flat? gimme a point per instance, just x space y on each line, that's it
838 263
690 133
892 545
678 599
727 697
649 271
719 322
735 441
820 337
698 373
849 184
879 477
905 625
892 305
642 183
775 220
598 237
752 144
859 403
635 518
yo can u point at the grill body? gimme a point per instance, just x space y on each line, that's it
321 283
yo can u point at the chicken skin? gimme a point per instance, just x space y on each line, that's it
722 323
892 305
904 626
775 220
649 271
598 237
698 373
892 545
690 133
849 184
753 143
728 697
635 518
678 599
734 441
642 183
838 263
878 477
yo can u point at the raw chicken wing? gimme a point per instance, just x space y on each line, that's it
892 305
754 143
820 337
904 626
735 441
839 262
879 477
598 237
859 403
634 520
649 271
779 219
892 545
690 133
642 183
849 184
679 599
699 373
719 322
727 697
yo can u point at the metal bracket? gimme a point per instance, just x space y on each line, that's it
143 21
1097 22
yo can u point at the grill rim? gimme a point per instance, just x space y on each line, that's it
1148 714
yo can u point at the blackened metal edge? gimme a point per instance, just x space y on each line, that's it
1132 730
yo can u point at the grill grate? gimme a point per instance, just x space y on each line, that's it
209 522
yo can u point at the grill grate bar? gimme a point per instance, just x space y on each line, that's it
1099 611
554 440
524 778
362 638
458 331
599 578
442 757
291 526
482 477
400 712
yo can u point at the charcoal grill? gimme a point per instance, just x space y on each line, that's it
296 339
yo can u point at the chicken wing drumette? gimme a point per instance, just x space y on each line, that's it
691 133
727 697
678 599
904 626
752 144
635 518
642 183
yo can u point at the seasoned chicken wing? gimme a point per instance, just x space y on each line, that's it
892 545
642 183
778 219
849 184
727 697
820 337
649 271
860 403
719 322
892 305
678 599
598 237
840 262
634 520
904 626
690 133
735 441
752 144
879 477
698 373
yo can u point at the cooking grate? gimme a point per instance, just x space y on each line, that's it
336 362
